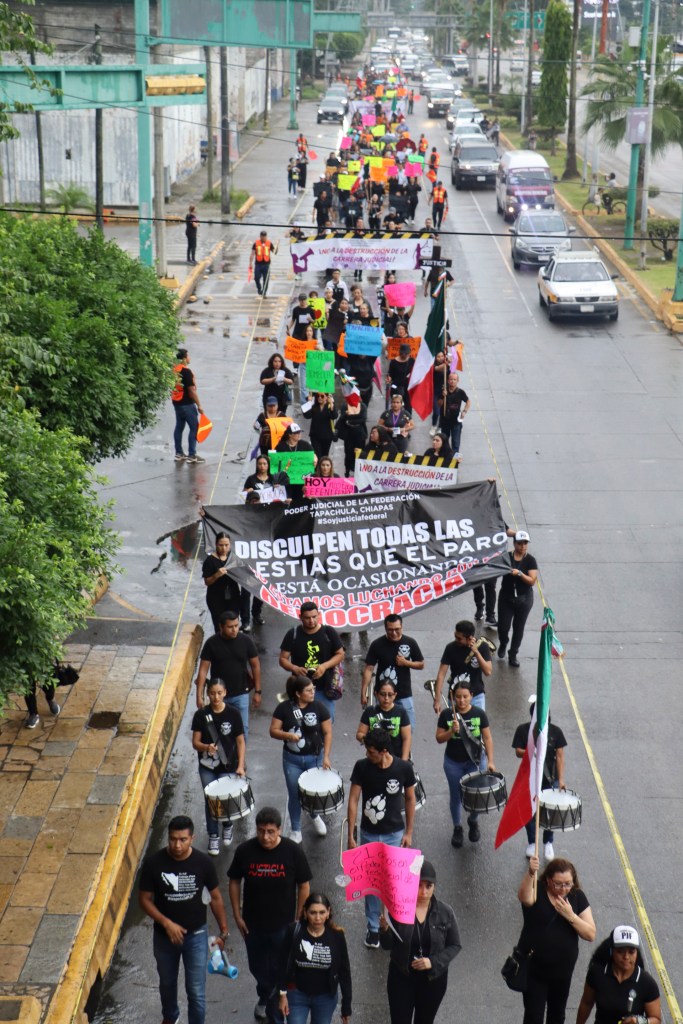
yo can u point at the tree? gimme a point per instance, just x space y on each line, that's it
68 198
17 36
53 544
87 334
571 168
552 94
347 45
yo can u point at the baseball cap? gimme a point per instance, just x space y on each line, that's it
625 935
302 296
294 428
427 872
522 535
271 400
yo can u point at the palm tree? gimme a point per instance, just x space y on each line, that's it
70 197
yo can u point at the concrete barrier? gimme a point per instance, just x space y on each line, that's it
189 284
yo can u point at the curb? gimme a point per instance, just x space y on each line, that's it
100 926
245 207
188 286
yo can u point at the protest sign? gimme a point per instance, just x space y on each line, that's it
328 487
379 130
400 294
415 158
345 142
363 341
345 182
378 174
404 472
318 311
413 170
366 253
393 345
296 348
320 372
369 120
354 166
390 872
296 465
267 495
392 171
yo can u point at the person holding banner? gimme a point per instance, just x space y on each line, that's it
380 442
322 416
304 726
387 715
440 448
277 383
222 592
464 729
421 954
379 782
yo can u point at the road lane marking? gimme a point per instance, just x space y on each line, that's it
506 262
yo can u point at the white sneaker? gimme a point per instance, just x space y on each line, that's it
433 431
548 851
214 846
295 837
320 826
530 850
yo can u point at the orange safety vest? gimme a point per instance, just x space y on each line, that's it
434 160
422 145
178 392
262 250
302 144
439 195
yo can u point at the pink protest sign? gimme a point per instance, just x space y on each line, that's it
401 294
390 872
328 487
345 143
369 120
413 170
392 172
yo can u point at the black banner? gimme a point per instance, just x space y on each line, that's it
360 557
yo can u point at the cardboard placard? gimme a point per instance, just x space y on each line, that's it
390 872
413 170
318 312
393 345
328 487
400 294
354 166
296 348
363 341
346 142
320 372
296 465
379 130
345 182
278 425
368 120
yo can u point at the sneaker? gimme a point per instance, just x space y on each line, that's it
246 628
195 458
501 650
433 431
473 833
54 707
530 850
227 833
320 826
457 837
260 1011
295 836
478 615
180 457
491 622
32 721
512 660
372 939
214 846
259 620
548 851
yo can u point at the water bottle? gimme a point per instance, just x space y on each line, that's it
217 960
219 963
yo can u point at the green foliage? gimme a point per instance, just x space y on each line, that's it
663 233
347 45
53 544
552 94
17 36
67 198
87 334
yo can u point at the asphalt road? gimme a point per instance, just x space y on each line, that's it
582 425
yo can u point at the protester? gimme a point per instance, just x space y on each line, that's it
421 954
259 480
400 369
187 408
325 469
277 383
553 774
362 370
322 416
272 875
617 984
292 177
222 592
440 448
260 258
516 597
393 656
191 225
465 657
171 891
398 422
304 726
379 441
232 657
386 714
455 405
439 372
351 428
313 651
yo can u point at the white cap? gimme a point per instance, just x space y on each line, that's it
625 935
522 535
294 428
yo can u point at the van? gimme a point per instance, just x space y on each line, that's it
523 182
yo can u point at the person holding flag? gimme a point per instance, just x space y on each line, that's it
553 774
421 382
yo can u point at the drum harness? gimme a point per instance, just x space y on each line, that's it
213 760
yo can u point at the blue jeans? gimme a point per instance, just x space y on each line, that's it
436 408
263 955
185 414
373 904
261 276
453 432
329 704
479 700
408 705
320 1007
454 771
208 775
194 950
241 703
294 765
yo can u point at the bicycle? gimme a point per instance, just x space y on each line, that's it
602 198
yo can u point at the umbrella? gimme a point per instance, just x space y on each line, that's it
406 144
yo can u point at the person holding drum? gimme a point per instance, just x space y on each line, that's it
218 738
465 730
553 774
556 915
386 714
617 984
516 597
394 656
304 726
315 966
421 954
465 657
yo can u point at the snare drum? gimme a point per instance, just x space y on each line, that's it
482 792
321 791
560 810
229 798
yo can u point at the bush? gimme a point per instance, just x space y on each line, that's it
663 234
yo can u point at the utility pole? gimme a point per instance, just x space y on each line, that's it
631 199
603 26
41 155
225 134
209 118
99 158
266 99
648 145
293 123
529 68
527 58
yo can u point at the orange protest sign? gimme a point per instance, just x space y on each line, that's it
393 345
278 425
296 349
341 351
379 91
378 174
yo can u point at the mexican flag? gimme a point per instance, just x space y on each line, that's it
421 383
521 805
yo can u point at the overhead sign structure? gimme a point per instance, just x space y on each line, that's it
83 87
285 24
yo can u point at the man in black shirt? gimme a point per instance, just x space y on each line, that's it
321 209
394 655
300 317
553 774
232 657
276 877
454 407
171 887
465 656
312 650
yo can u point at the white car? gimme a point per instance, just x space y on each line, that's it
577 284
467 115
465 131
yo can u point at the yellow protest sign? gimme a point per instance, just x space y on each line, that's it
378 130
345 182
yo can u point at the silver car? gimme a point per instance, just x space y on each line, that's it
536 235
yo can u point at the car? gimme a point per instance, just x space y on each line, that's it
332 108
467 115
474 163
455 106
577 284
537 235
517 64
465 131
337 95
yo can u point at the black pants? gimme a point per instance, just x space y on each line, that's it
31 701
437 214
261 275
513 611
542 992
191 246
248 606
488 589
413 998
321 447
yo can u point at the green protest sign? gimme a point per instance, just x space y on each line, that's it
296 465
320 372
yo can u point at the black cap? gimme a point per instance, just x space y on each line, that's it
427 872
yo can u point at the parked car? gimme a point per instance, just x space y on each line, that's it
577 284
474 164
537 235
331 108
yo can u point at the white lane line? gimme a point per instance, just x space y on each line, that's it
506 262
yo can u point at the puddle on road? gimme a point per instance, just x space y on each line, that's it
179 546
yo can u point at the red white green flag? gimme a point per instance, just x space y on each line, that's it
421 383
525 792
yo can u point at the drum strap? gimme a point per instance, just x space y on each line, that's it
472 745
213 733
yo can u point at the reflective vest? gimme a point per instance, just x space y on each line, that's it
262 250
422 145
178 392
439 195
302 144
434 160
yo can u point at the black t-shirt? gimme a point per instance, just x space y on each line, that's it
252 482
555 741
270 878
395 422
229 726
224 592
312 649
381 797
301 315
454 655
230 661
305 722
187 380
275 389
382 652
177 886
553 939
400 371
612 997
322 210
393 721
512 586
311 961
476 720
454 401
